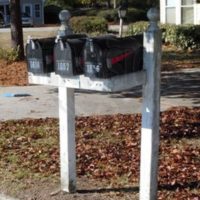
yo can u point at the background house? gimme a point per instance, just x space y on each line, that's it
34 8
180 11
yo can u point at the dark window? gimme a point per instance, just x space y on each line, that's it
7 10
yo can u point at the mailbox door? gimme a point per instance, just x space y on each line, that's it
69 56
95 60
63 59
34 58
122 61
39 53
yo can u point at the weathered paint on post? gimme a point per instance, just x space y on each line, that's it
67 139
150 109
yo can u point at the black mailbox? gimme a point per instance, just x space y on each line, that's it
68 54
39 54
105 57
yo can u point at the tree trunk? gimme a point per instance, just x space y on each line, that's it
16 28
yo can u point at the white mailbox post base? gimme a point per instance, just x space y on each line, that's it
67 139
149 78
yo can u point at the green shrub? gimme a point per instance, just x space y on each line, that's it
137 28
181 36
110 15
86 12
10 55
86 24
134 15
137 3
91 12
169 33
78 12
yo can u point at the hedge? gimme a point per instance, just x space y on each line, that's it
84 24
135 14
137 28
110 15
181 36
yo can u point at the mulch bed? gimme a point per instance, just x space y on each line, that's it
13 73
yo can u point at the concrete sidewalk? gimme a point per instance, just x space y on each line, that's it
4 197
180 88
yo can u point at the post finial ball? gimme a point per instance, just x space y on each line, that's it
64 15
153 14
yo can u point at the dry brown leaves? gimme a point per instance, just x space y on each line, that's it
108 147
13 74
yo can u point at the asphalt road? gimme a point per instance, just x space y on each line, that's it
177 89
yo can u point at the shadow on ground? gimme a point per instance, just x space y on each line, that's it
106 190
190 185
173 85
182 85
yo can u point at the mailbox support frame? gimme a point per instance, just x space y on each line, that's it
149 78
150 109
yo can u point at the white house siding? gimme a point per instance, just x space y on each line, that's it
177 18
162 12
197 14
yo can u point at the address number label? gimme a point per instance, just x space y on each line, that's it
63 66
93 67
34 63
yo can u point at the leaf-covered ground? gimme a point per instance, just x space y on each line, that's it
13 73
108 150
173 59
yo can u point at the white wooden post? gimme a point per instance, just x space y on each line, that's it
120 27
67 139
150 109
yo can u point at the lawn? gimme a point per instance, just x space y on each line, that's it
107 149
5 41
